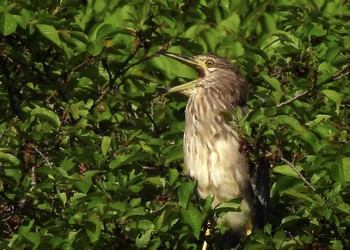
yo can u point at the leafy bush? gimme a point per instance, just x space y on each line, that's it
91 155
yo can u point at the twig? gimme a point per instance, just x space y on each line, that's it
342 73
41 154
138 62
294 98
112 79
298 172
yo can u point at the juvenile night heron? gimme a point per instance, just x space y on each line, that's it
212 146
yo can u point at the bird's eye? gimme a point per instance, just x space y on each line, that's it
210 63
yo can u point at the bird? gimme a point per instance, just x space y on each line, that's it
212 144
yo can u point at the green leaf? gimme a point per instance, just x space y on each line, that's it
61 172
288 120
106 141
25 229
316 30
47 115
310 138
72 237
272 81
291 218
333 95
346 169
233 205
67 164
126 159
107 31
185 193
279 238
16 174
135 202
9 158
143 240
174 154
269 22
62 196
301 196
193 217
286 170
319 118
34 238
332 53
134 213
93 227
173 175
94 48
8 23
83 186
50 33
75 109
156 180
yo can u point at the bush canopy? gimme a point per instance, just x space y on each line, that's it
91 154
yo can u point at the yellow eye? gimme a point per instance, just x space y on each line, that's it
209 63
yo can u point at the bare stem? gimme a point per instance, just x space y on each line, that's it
41 154
299 174
342 73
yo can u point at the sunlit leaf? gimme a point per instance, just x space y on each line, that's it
9 158
8 23
185 193
289 120
106 141
93 227
143 239
286 170
333 95
174 154
50 33
95 48
47 115
193 217
346 168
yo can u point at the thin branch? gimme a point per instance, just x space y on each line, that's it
87 60
138 62
298 173
342 73
120 73
101 97
112 78
41 154
294 98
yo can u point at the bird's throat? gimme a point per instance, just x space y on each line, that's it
201 72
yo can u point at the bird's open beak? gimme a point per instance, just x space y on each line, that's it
188 61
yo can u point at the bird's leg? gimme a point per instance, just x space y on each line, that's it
207 235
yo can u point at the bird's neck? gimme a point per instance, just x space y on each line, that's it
209 113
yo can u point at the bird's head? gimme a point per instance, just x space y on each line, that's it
214 73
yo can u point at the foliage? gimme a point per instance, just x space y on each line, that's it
90 155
